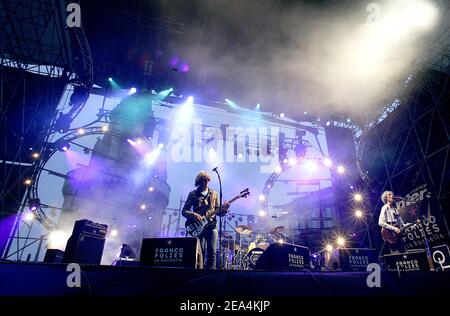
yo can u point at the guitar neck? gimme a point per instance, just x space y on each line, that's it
407 226
234 199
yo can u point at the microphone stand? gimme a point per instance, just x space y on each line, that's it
219 252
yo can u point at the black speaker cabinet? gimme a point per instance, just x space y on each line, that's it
172 252
54 256
350 259
284 256
86 243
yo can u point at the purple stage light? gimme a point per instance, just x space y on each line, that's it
184 67
174 62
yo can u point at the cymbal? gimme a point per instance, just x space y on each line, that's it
277 229
243 229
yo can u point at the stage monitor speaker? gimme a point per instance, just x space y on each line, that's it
172 252
284 256
350 259
54 256
86 243
416 260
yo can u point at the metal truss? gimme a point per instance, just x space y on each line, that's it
401 120
35 64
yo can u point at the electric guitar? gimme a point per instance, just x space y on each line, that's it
391 237
195 227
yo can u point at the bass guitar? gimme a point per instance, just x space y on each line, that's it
195 227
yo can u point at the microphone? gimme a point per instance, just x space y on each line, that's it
215 169
399 198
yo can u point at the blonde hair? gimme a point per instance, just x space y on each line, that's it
384 196
200 176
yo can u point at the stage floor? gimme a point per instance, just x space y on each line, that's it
43 279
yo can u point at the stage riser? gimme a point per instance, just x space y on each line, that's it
50 279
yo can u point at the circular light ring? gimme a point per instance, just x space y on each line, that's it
268 185
48 151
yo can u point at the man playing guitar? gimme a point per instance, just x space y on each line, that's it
392 224
203 200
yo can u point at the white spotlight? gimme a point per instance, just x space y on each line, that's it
341 169
152 156
212 154
114 233
310 166
29 216
57 239
421 15
327 162
262 213
340 241
262 197
292 162
357 197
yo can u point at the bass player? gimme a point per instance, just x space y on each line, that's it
201 201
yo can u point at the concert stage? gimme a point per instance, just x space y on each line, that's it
41 279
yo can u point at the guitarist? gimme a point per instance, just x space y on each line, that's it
202 200
390 219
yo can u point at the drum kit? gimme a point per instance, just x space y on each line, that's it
242 252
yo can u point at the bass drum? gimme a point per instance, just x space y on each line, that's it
249 261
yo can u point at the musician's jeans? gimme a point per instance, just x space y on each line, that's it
208 241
